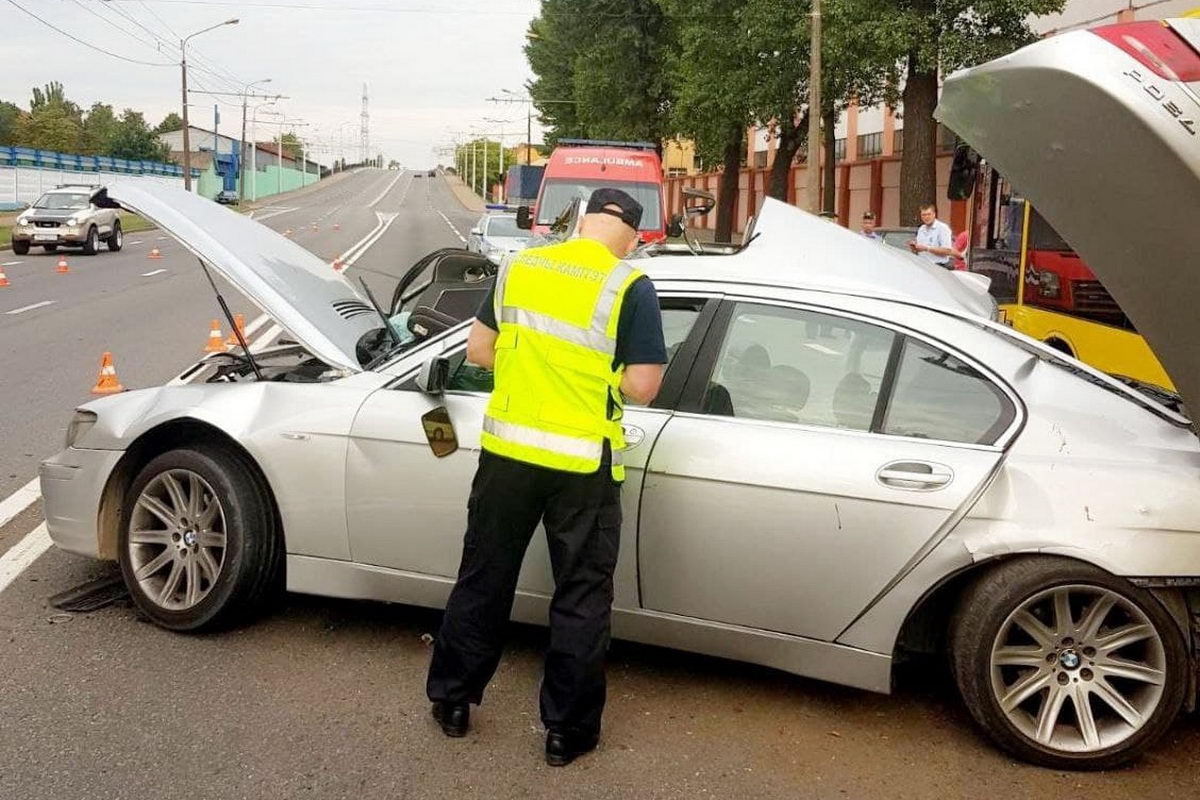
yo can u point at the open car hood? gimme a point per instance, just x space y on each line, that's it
1108 150
319 307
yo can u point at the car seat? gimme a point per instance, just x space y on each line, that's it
854 402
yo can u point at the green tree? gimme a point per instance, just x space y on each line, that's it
290 143
714 88
98 128
599 69
932 37
53 122
10 120
171 122
133 139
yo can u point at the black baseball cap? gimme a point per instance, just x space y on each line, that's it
631 210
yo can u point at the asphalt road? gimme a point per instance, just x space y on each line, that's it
325 698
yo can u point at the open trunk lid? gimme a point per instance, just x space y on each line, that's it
1101 130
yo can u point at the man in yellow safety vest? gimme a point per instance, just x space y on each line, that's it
572 331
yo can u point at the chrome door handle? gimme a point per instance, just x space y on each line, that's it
914 475
633 436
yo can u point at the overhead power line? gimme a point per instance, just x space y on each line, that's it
74 38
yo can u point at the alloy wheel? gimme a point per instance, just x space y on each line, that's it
1078 668
177 539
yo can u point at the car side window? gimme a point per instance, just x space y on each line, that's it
794 365
938 396
678 318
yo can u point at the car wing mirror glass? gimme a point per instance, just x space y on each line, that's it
675 229
964 172
434 375
524 218
698 202
439 431
476 232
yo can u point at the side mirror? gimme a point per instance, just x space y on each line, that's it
524 218
476 232
964 172
675 228
434 375
704 202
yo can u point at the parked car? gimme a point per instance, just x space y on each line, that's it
69 216
227 197
496 235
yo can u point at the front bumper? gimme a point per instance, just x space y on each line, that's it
73 483
36 236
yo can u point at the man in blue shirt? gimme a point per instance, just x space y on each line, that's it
934 240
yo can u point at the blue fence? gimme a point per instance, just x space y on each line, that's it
46 159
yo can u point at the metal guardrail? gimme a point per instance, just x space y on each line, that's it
48 159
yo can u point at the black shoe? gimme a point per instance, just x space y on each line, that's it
563 747
453 717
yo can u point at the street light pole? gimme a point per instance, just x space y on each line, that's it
813 189
242 153
187 142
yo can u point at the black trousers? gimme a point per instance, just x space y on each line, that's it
582 516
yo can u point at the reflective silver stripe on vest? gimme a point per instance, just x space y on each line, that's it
543 440
593 339
609 294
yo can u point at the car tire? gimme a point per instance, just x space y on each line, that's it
116 239
190 565
20 248
50 248
91 245
1020 669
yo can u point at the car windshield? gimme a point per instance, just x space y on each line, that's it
557 195
504 226
60 201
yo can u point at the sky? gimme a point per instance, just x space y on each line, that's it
429 65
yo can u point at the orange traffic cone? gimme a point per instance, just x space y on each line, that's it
337 226
216 342
154 253
288 232
337 265
3 279
62 267
314 227
239 322
107 383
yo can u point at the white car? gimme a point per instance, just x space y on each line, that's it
850 462
496 235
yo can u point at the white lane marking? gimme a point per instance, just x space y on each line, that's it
19 500
22 554
354 253
388 189
11 263
258 322
153 272
461 238
265 340
275 212
139 241
23 309
162 238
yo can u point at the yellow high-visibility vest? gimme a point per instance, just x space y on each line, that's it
557 308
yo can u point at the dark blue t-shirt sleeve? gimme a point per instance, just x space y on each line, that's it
639 331
487 311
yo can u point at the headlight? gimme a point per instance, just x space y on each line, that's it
73 221
22 220
80 424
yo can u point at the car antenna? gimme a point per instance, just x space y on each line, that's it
395 337
233 325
